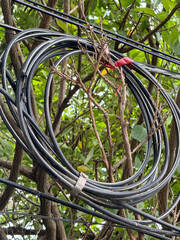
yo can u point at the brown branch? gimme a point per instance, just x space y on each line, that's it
28 200
106 118
23 170
70 94
162 23
156 28
12 121
63 83
17 61
46 206
3 233
103 234
45 22
126 15
71 122
98 138
122 214
22 231
164 192
86 7
124 124
19 153
61 234
152 131
121 27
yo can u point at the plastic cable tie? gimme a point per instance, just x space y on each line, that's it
121 62
118 89
107 51
124 61
79 184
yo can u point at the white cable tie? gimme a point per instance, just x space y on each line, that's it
106 50
79 184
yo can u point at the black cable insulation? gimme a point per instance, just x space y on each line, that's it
149 67
107 33
94 26
42 149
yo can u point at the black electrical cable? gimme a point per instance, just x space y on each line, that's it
98 195
149 67
34 216
6 26
94 26
107 33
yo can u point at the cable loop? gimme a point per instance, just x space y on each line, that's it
147 181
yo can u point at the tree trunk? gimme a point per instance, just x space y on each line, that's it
164 193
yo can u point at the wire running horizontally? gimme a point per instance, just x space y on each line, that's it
41 148
96 29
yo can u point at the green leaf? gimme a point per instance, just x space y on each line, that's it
126 3
89 156
82 168
156 2
165 36
168 5
68 129
93 5
82 157
138 162
7 148
161 15
62 25
141 206
177 172
146 10
139 133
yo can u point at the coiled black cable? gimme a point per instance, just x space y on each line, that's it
98 195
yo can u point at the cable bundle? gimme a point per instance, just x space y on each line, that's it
41 148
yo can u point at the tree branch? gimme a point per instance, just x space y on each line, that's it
162 23
19 153
23 231
23 170
17 63
156 28
3 233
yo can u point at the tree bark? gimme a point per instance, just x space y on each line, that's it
2 234
164 193
17 61
23 170
63 82
46 206
19 153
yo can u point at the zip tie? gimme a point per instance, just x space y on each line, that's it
124 61
79 184
118 89
121 62
107 50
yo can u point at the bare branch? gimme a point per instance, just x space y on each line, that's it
23 170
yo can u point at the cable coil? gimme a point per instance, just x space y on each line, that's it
99 195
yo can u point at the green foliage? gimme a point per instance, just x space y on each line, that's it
139 133
76 136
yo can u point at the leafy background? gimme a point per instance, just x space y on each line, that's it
76 137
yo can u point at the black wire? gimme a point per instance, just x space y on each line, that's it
6 26
149 67
33 216
119 38
94 26
98 195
